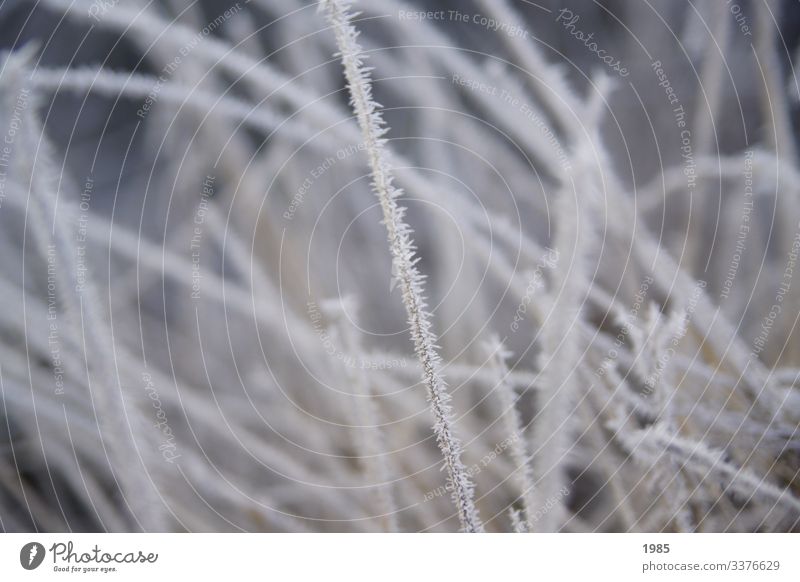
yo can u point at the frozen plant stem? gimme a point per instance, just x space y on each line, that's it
513 427
401 245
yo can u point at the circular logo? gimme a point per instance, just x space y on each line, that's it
31 555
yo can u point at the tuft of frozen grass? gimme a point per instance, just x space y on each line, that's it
653 386
512 422
705 462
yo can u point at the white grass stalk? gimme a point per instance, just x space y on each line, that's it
558 361
404 261
523 473
370 440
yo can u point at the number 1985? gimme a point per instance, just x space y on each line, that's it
656 548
